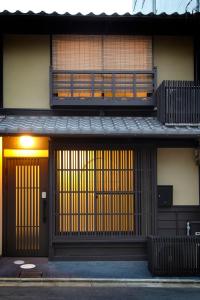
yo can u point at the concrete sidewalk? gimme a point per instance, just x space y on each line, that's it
86 273
77 269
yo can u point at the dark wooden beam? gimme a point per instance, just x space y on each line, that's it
1 71
83 111
62 24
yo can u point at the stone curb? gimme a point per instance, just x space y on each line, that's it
95 282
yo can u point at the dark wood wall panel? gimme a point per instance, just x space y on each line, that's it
197 58
172 221
146 184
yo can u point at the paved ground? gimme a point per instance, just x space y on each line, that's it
106 293
81 269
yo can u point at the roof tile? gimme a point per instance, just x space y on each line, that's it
93 126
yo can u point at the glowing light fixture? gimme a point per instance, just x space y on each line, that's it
26 141
28 266
18 262
25 153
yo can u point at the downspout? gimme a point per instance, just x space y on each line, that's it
154 6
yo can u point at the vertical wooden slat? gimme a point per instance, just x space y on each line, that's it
174 255
181 102
17 210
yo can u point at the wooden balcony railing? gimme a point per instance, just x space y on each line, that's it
102 87
178 102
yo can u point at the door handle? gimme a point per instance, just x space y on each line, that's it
44 210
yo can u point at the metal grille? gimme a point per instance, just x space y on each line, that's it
27 202
95 193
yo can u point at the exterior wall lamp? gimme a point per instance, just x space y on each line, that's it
26 141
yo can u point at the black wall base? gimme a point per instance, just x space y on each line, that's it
101 251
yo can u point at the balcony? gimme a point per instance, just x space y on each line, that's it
107 88
178 102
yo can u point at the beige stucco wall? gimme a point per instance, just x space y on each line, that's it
174 58
26 61
177 167
1 225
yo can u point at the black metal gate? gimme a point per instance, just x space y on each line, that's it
26 207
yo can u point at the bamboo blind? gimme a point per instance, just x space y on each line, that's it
101 52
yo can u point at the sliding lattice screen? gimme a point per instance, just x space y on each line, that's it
95 192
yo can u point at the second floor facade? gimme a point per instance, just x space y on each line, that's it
148 70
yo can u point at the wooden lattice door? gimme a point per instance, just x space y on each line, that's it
26 206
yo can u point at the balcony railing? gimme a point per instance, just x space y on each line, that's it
178 102
102 87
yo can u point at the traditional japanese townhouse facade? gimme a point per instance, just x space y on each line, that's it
99 116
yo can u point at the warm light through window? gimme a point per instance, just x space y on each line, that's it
26 141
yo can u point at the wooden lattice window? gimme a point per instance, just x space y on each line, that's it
95 193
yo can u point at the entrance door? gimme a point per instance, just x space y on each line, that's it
26 207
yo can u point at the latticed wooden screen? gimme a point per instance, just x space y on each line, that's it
95 192
27 206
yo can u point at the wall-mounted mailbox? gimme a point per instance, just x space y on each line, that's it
194 228
165 195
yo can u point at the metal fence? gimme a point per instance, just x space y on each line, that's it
178 255
178 102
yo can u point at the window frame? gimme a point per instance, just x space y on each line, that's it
145 179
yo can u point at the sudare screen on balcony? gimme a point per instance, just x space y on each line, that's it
101 67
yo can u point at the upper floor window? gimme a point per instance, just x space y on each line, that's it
101 67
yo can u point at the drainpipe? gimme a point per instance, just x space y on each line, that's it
198 6
188 228
154 6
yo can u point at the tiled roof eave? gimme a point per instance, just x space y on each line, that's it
93 126
91 14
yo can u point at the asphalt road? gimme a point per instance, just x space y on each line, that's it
88 293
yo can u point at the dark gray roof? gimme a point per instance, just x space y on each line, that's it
91 14
93 126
